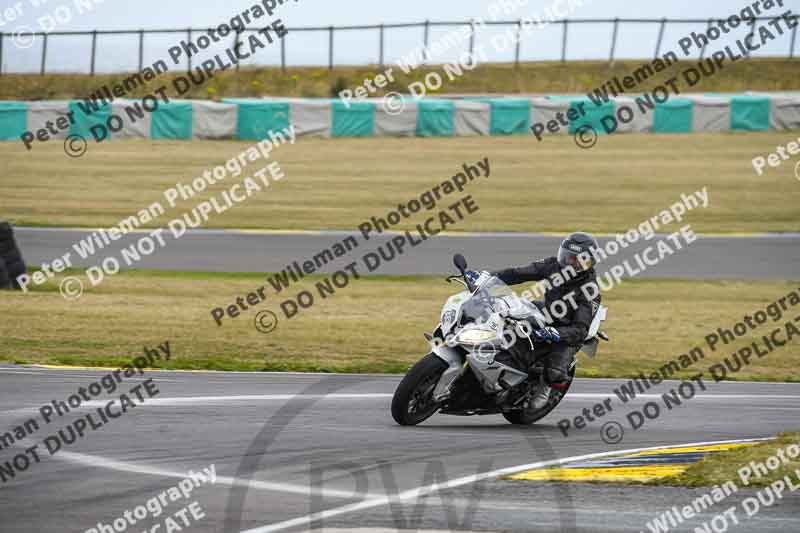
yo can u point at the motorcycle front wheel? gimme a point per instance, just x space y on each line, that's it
413 400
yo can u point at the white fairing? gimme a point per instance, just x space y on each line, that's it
599 316
518 308
451 312
455 362
521 308
500 309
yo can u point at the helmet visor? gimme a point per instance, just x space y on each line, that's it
580 261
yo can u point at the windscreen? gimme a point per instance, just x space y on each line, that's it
493 296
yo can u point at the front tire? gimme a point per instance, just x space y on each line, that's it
413 400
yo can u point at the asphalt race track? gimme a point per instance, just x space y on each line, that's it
322 444
770 256
295 452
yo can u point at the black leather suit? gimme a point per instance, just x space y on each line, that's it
574 325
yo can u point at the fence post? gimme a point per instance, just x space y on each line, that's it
660 37
703 49
791 50
44 53
426 56
519 38
381 45
472 42
236 45
189 55
750 35
613 41
141 50
564 42
330 47
94 50
283 53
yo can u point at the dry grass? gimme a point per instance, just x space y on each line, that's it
336 184
719 468
757 74
372 325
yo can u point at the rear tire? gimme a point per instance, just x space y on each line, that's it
413 400
526 417
14 271
5 280
7 246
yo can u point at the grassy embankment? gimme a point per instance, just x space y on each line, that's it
372 325
758 74
619 183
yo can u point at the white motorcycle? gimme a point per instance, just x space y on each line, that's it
462 376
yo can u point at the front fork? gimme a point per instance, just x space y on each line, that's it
456 363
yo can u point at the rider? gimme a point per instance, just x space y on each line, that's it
575 264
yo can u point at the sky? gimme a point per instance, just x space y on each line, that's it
22 53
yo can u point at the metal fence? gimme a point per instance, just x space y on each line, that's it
381 31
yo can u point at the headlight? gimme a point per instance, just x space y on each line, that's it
476 336
448 317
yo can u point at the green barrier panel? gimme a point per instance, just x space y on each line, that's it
593 114
90 120
355 120
673 116
435 118
172 121
509 116
750 113
13 120
256 120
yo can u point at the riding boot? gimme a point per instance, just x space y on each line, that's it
542 396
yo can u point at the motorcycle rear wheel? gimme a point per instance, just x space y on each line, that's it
413 400
528 416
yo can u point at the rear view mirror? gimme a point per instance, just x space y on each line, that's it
460 262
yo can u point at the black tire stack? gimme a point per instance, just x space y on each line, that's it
11 263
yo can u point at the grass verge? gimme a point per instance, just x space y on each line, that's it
374 324
756 74
719 468
550 186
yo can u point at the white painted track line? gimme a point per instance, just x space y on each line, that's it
418 492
